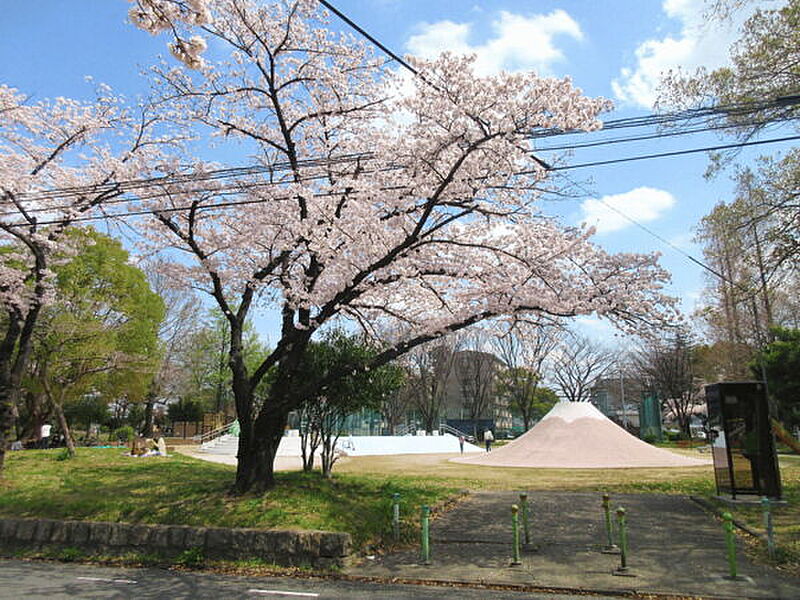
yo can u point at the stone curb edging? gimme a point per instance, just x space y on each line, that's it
533 588
318 549
717 512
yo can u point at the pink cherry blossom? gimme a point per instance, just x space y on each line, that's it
376 205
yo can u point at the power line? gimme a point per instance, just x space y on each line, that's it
658 135
244 171
676 153
238 188
649 231
253 170
371 38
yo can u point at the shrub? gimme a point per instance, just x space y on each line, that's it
124 433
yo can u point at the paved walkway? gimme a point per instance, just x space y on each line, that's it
675 548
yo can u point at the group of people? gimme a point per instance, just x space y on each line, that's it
43 442
488 438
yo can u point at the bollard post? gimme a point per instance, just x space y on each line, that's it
396 517
523 501
611 547
766 507
426 543
623 540
730 541
515 526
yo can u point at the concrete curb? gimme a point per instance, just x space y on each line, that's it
528 588
717 512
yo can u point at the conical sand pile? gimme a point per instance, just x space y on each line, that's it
575 435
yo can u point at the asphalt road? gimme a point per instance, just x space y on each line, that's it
56 581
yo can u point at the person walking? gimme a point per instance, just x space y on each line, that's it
44 441
461 443
488 438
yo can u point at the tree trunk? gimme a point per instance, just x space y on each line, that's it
257 450
149 410
37 413
62 422
261 435
15 350
309 438
6 419
329 432
427 423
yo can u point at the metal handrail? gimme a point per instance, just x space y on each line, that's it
445 428
213 434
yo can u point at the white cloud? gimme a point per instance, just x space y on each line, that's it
700 42
643 204
518 42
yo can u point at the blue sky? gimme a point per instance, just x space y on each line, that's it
614 48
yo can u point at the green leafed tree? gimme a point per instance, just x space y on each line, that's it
203 364
780 360
329 400
100 334
752 241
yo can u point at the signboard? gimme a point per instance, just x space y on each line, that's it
650 418
741 439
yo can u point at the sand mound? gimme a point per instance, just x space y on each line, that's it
575 435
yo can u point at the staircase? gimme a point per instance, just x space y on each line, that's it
224 444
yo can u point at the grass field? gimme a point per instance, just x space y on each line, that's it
104 485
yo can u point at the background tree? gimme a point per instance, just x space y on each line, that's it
329 404
668 365
752 241
47 147
476 373
99 336
186 410
202 363
577 364
395 405
763 69
780 361
88 410
429 369
543 400
180 322
426 220
728 303
525 348
750 245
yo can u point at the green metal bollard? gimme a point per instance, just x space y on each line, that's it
426 542
396 516
611 547
523 501
515 526
623 540
730 541
766 507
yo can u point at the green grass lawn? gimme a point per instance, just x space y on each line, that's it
785 517
104 485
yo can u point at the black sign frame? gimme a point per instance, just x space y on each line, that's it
742 442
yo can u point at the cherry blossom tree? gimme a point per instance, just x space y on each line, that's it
60 160
373 203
